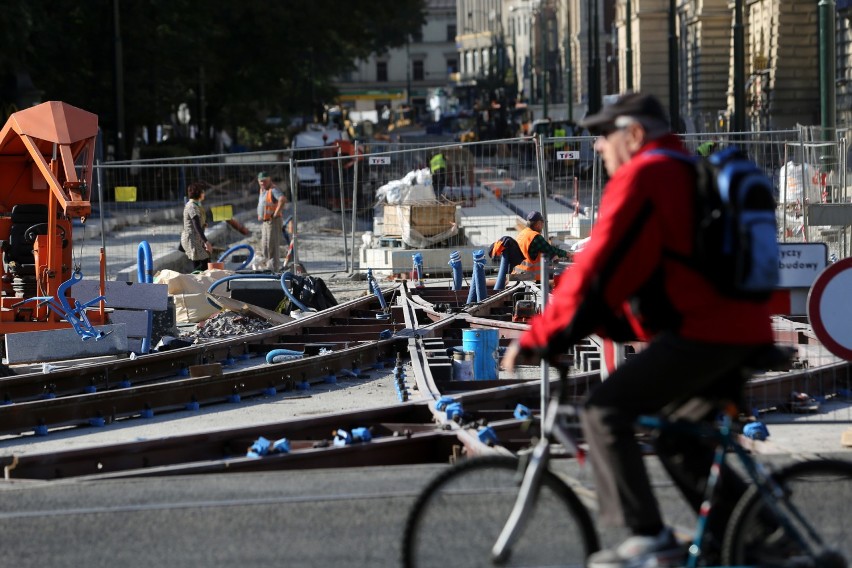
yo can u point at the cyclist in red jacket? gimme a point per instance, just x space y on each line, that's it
630 282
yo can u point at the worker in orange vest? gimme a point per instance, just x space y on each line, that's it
533 245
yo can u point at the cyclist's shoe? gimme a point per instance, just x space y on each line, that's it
641 552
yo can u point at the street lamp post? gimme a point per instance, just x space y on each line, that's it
408 71
593 65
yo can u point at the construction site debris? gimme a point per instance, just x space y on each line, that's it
225 324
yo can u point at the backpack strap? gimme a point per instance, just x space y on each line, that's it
701 175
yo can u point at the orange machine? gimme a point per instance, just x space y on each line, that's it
46 156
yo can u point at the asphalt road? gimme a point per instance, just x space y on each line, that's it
322 518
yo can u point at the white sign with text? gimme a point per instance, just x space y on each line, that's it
379 160
800 263
568 155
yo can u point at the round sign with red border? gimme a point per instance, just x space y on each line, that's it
830 308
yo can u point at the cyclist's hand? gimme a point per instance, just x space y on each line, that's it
510 355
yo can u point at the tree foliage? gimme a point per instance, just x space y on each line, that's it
242 61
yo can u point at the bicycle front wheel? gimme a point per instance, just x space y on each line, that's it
821 491
459 515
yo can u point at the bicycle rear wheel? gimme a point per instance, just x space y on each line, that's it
459 515
821 490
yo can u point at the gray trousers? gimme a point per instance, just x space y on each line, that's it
270 242
668 372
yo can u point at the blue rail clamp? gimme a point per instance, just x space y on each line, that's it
454 410
522 412
756 431
442 402
487 435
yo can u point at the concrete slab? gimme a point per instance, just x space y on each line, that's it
60 344
135 320
129 295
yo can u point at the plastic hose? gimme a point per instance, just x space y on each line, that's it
235 277
374 286
235 248
145 274
417 259
501 274
456 264
477 286
285 278
281 355
144 263
479 274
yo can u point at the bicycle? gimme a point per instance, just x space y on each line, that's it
508 510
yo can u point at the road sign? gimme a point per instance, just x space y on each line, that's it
800 263
568 155
379 160
829 308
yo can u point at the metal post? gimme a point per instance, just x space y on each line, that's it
674 103
739 124
594 60
354 199
342 208
408 72
294 191
542 197
628 49
827 68
569 66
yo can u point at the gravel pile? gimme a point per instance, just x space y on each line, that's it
223 325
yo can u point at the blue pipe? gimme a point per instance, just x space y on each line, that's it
284 278
417 258
144 263
235 248
145 275
456 264
374 286
234 277
475 295
479 274
501 274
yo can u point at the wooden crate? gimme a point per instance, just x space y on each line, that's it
427 219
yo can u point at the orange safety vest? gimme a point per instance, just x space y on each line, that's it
269 206
529 265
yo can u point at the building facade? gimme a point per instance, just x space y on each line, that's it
407 76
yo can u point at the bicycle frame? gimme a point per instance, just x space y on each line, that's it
554 428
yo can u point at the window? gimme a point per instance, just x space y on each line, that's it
417 37
451 32
382 71
452 66
417 70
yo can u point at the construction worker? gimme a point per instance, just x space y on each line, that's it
706 148
559 132
533 245
438 166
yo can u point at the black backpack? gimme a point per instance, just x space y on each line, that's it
736 236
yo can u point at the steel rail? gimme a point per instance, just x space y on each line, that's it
105 375
410 432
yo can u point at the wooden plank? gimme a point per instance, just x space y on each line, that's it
61 344
130 295
249 309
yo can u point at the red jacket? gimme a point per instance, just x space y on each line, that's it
624 283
